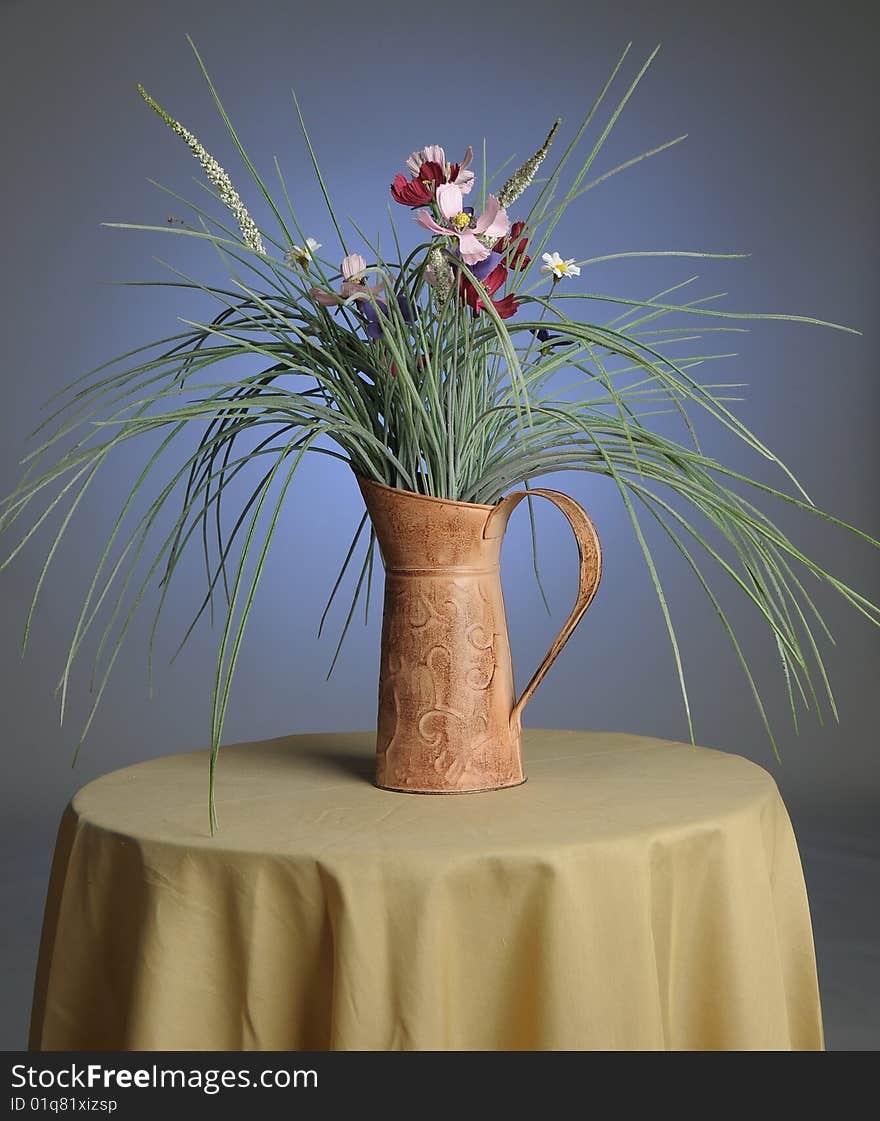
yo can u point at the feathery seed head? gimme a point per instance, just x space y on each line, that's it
215 175
521 179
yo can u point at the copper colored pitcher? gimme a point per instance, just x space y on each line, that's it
449 720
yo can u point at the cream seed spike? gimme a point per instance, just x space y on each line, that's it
521 179
215 174
442 275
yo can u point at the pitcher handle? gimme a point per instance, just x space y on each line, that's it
589 554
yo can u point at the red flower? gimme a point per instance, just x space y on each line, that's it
491 282
517 259
411 192
418 191
506 306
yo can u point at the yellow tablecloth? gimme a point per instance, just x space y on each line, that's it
633 894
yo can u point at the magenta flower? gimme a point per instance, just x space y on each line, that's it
461 223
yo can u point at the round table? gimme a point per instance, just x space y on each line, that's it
633 894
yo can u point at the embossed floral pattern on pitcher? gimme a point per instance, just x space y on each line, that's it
449 720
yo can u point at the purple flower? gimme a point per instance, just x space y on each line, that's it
549 339
481 269
372 311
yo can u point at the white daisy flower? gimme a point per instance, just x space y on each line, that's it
557 267
302 254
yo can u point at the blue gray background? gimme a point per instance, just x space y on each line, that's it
780 104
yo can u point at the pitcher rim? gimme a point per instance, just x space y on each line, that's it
427 497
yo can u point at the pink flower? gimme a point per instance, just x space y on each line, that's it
452 172
460 223
370 299
353 270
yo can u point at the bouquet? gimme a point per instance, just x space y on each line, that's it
471 358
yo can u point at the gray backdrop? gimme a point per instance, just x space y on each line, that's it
779 101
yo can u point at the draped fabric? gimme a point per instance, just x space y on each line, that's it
633 894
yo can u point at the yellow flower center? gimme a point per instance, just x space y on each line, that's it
461 221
